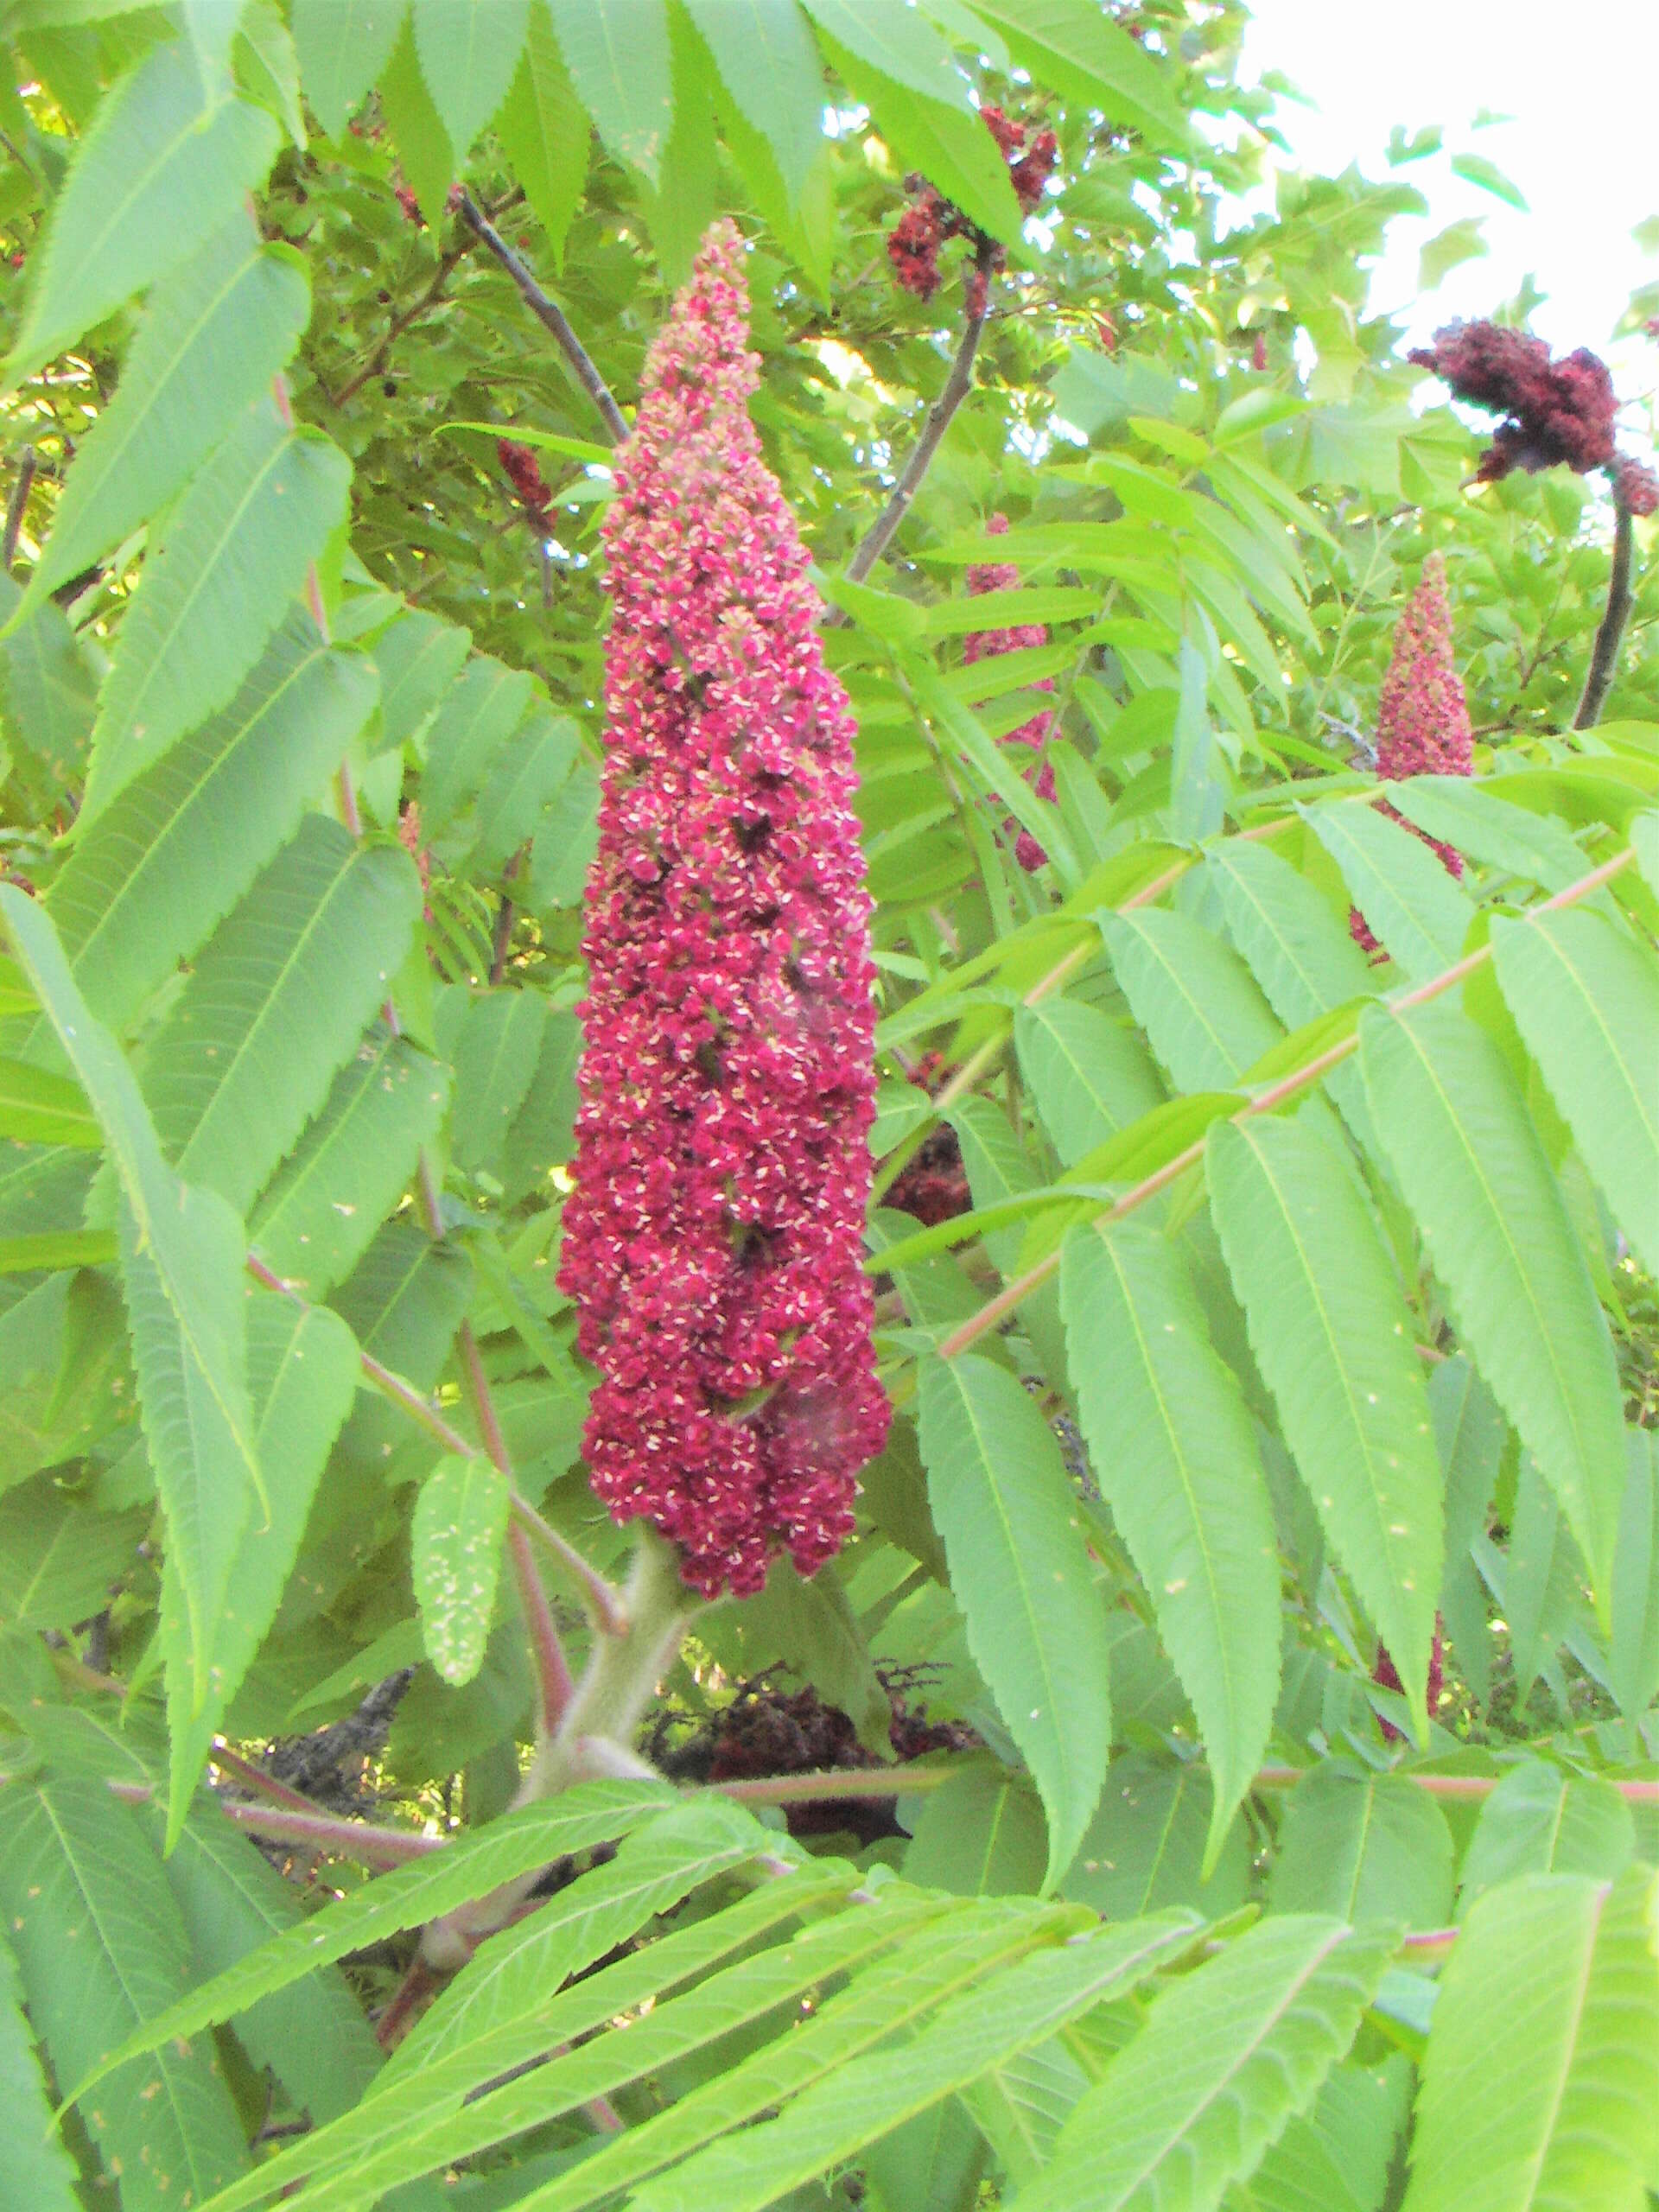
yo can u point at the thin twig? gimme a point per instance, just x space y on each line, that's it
551 317
380 359
1604 659
14 507
957 386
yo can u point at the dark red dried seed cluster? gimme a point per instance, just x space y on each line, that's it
714 1239
1636 487
1556 414
931 220
1386 1675
523 472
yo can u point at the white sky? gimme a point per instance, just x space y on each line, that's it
1580 78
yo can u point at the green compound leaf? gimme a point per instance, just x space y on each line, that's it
593 1812
163 166
1540 2086
1228 2055
35 2168
321 1211
276 1001
1399 884
182 1257
617 53
1176 1458
1036 1625
765 55
343 46
1474 1173
213 336
469 51
144 887
1365 1847
102 1951
1584 996
1337 1344
232 556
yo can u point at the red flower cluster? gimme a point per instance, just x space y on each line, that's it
1556 412
1386 1675
982 645
523 472
1422 717
931 220
714 1238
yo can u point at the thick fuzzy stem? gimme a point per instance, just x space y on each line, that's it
623 1672
600 1722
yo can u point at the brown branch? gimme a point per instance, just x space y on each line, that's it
551 317
957 384
16 504
380 359
1604 659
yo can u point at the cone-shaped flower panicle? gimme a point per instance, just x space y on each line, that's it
982 645
714 1237
1422 719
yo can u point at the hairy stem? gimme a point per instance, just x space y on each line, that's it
552 1669
1603 657
838 1781
957 384
369 1846
551 317
602 1716
605 1606
232 1762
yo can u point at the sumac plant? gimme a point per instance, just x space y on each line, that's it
829 1135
